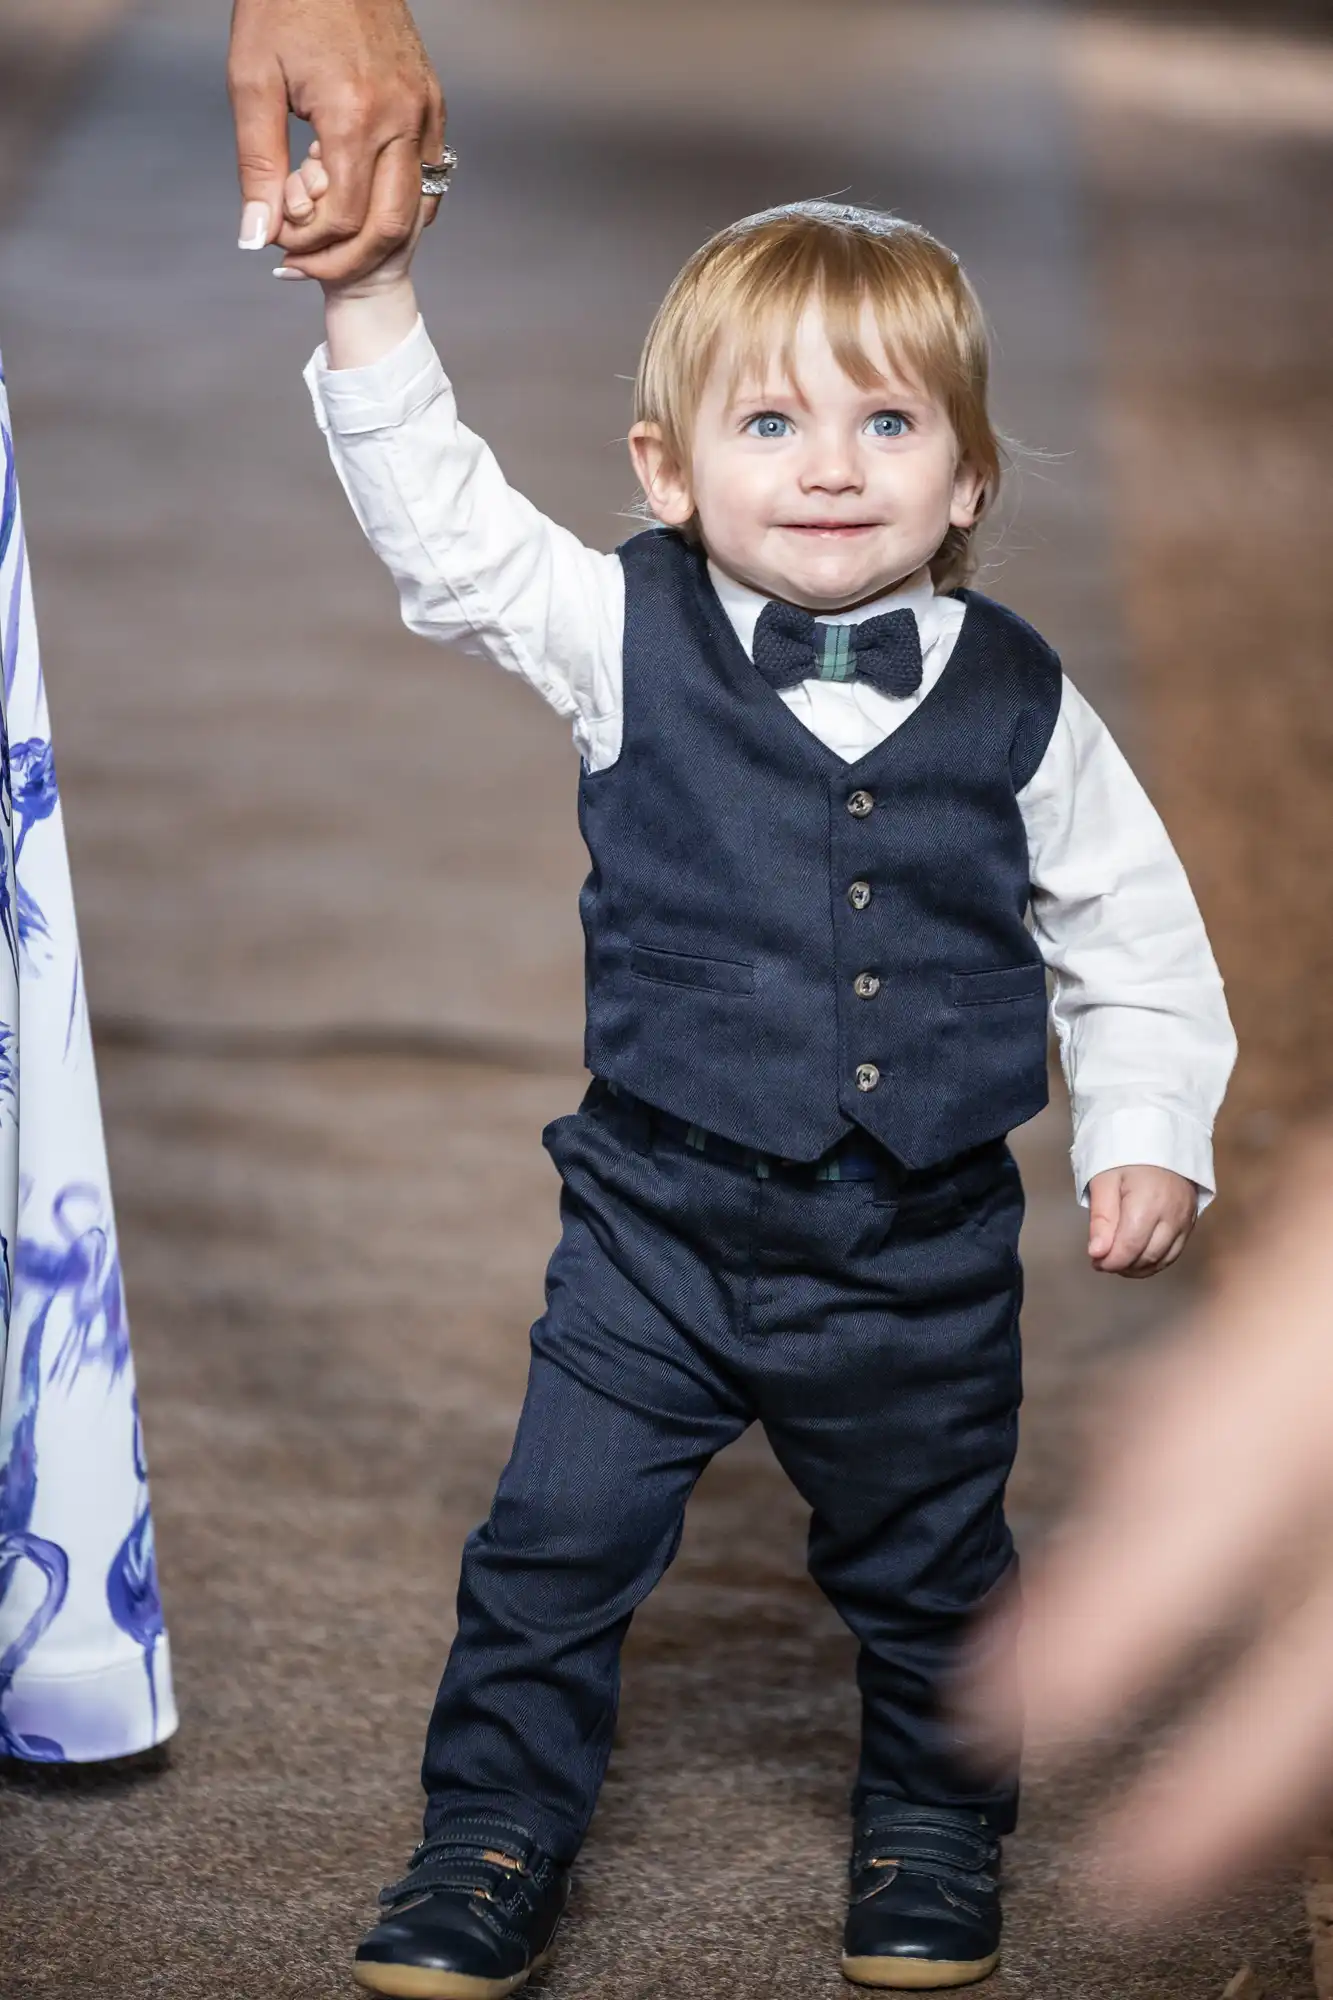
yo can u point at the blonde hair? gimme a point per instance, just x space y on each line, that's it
752 284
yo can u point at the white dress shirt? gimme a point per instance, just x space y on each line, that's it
1144 1035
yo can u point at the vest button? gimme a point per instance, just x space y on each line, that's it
859 895
867 1077
861 804
865 986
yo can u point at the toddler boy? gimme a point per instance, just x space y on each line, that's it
845 816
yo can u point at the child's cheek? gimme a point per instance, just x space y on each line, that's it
728 507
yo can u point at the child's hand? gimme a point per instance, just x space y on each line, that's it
304 191
364 317
1140 1219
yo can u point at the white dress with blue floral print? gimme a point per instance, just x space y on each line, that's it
84 1668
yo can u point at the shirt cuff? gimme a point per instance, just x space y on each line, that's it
1146 1136
381 395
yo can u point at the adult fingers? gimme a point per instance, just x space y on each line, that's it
432 142
373 159
349 149
1186 1509
987 1692
396 191
258 93
1243 1779
1208 1471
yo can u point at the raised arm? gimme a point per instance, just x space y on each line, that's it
476 565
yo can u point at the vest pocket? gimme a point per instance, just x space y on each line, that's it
987 989
675 968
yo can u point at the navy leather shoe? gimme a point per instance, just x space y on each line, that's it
925 1898
476 1912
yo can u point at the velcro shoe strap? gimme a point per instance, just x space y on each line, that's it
492 1830
464 1853
464 1874
909 1838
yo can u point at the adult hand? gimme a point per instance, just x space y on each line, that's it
357 72
1212 1503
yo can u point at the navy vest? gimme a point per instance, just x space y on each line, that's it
781 945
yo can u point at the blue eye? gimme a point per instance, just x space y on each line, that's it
769 425
889 424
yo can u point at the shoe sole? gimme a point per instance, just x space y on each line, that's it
418 1982
918 1975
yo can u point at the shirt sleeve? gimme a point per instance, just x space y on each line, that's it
476 565
1145 1039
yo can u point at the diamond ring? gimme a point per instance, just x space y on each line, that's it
437 174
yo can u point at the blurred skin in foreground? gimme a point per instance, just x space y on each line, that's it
1210 1504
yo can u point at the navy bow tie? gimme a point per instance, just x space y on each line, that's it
789 647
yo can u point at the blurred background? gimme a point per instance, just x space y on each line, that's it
327 880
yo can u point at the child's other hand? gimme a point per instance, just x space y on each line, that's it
1140 1219
302 194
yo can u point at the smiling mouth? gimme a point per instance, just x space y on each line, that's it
833 530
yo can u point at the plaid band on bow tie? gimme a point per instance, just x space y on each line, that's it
789 647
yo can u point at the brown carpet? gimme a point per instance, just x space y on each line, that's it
285 814
332 1348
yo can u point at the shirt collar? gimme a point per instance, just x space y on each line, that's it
743 606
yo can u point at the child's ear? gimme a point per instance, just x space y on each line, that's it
969 496
663 481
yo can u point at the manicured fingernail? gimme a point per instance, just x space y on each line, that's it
286 271
254 226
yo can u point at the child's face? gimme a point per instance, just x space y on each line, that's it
813 489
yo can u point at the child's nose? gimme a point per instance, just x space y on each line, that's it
833 466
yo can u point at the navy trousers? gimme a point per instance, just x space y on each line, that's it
871 1327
